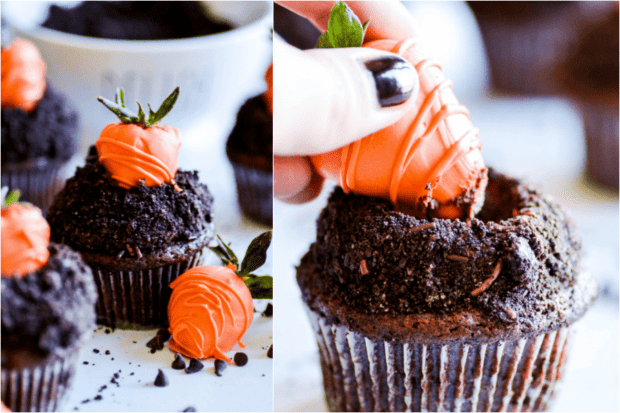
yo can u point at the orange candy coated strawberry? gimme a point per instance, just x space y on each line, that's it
138 149
25 237
210 310
429 163
23 76
268 95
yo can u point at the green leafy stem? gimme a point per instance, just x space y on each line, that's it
255 257
344 29
127 116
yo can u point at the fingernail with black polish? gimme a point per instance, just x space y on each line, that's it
395 79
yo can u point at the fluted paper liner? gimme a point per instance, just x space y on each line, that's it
38 182
39 388
255 192
361 374
138 297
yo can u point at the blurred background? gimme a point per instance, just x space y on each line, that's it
216 74
541 82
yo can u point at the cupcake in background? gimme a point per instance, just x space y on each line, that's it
137 219
590 77
39 127
48 311
250 151
525 41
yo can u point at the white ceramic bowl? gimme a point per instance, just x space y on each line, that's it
215 73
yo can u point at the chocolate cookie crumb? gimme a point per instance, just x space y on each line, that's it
107 352
220 366
85 401
164 334
96 350
98 397
85 362
194 366
241 359
161 380
268 311
270 352
156 343
107 331
102 388
190 409
179 362
153 350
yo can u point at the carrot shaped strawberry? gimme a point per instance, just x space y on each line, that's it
138 148
23 75
429 163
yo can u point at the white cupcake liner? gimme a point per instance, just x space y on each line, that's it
140 296
39 388
361 374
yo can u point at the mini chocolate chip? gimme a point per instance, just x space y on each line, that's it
164 334
98 397
190 409
241 359
156 343
179 362
220 366
268 311
270 352
194 366
161 380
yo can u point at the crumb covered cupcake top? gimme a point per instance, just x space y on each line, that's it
23 75
25 237
516 264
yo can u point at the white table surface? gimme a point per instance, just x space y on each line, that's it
540 140
248 388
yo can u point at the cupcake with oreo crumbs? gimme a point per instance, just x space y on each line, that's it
39 127
48 311
456 290
250 151
136 218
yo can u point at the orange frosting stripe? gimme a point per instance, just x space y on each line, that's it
23 76
268 95
431 152
209 311
132 153
25 237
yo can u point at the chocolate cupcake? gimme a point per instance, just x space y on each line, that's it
590 77
526 41
137 219
48 299
250 151
39 127
444 315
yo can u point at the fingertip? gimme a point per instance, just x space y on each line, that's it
295 180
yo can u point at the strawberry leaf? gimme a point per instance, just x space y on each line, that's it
344 28
128 117
256 254
260 286
11 198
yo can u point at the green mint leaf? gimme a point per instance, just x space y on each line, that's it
344 27
323 42
256 255
261 286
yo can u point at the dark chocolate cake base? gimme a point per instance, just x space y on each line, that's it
255 192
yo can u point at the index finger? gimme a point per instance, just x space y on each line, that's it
388 20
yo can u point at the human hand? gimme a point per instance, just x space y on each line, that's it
327 98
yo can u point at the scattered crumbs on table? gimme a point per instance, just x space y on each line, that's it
98 397
153 350
189 409
112 358
220 366
161 380
107 352
135 342
131 374
102 388
85 401
85 362
107 331
96 350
